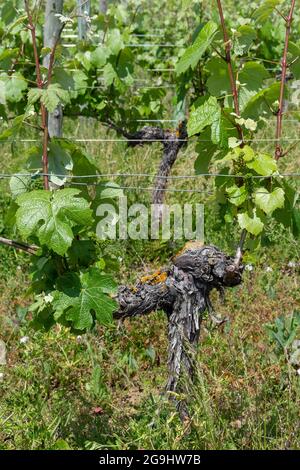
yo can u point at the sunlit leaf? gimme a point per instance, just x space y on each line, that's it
193 54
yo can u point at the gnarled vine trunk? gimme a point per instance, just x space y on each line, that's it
171 146
172 141
182 291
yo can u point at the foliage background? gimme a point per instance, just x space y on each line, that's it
102 389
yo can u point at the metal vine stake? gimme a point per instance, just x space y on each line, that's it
40 85
288 22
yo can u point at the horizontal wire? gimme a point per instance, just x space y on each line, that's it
99 140
135 188
151 45
69 36
154 86
151 188
158 120
162 70
146 175
99 87
176 120
285 139
75 70
173 69
96 34
75 36
144 188
133 45
140 35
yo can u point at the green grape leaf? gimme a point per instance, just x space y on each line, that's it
289 215
16 124
294 59
15 85
82 252
19 185
80 83
2 92
218 82
193 53
8 12
252 224
237 194
110 190
99 56
60 162
63 78
6 56
246 153
10 215
251 78
50 96
263 164
205 149
296 222
34 95
124 66
51 216
262 13
267 201
109 74
82 163
114 41
84 58
204 115
53 95
221 130
260 105
245 37
80 298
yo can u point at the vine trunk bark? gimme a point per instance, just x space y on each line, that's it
182 291
171 140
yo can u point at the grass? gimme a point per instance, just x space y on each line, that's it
103 389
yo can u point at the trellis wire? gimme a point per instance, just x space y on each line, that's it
144 188
176 120
97 140
76 69
106 185
285 139
133 45
144 175
75 36
99 87
152 188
